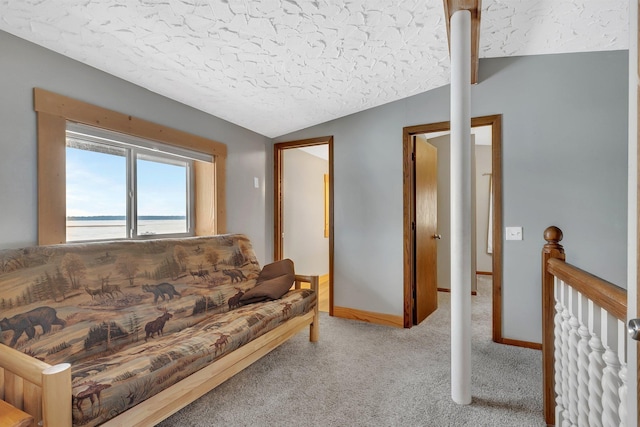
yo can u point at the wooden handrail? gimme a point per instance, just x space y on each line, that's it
605 294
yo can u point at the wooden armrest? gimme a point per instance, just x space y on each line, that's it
53 381
13 417
22 365
312 280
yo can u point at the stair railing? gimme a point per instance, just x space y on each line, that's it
584 340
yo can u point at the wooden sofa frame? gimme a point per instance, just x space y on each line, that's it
43 391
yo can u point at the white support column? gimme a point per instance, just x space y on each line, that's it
461 274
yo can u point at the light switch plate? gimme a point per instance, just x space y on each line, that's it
513 233
256 182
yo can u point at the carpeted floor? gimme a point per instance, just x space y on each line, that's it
367 375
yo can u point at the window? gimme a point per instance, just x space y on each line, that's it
132 153
118 186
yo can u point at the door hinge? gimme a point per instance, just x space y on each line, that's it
413 226
413 156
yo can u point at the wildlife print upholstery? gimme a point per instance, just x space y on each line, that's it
134 317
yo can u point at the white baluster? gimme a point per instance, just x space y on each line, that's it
566 360
622 393
596 366
574 339
583 376
610 385
557 361
622 356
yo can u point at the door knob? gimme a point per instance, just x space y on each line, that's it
437 236
634 329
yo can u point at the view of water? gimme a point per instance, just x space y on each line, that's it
93 229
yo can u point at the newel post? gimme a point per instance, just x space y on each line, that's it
552 249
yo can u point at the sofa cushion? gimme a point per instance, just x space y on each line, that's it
132 375
273 282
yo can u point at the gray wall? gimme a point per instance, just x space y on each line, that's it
564 163
25 66
483 166
303 216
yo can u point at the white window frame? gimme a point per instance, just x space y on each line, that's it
133 148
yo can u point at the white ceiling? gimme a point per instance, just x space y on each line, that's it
276 66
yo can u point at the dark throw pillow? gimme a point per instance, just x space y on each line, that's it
274 281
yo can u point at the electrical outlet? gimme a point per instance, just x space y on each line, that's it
513 233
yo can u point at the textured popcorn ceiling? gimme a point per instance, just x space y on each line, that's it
275 66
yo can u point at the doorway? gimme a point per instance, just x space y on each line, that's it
303 210
480 205
409 134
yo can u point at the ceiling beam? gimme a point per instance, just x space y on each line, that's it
473 6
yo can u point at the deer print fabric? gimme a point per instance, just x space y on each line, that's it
134 317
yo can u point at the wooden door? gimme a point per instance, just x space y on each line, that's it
426 215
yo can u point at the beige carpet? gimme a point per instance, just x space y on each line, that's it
368 375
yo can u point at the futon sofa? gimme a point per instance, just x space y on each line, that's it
129 332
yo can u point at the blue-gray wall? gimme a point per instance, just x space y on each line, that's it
25 66
564 163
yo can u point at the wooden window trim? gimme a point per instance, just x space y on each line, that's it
54 110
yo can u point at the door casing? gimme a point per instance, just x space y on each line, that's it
278 198
495 121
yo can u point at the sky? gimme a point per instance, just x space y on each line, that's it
96 185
